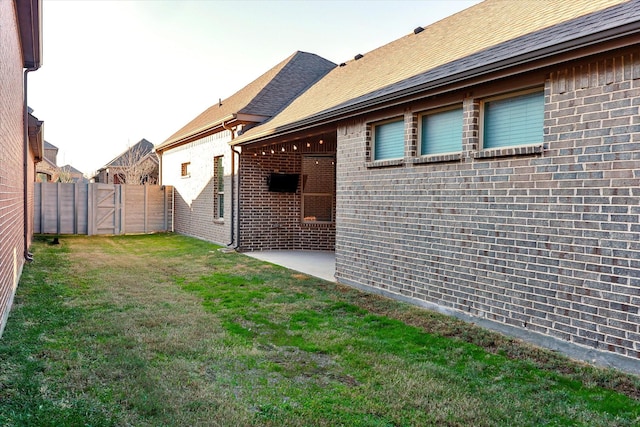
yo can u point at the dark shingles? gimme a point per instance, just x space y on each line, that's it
265 96
139 150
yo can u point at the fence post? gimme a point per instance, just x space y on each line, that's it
91 220
119 213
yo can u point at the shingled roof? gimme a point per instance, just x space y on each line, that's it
139 150
463 45
259 100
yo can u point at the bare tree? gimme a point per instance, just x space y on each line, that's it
64 174
138 165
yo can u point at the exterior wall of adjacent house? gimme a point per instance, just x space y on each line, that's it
273 220
51 154
47 171
195 193
11 158
544 239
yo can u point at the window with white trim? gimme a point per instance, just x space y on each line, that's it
441 132
388 140
513 120
318 188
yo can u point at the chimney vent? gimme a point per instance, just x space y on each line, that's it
358 56
418 30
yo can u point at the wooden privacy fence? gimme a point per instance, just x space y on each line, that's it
95 208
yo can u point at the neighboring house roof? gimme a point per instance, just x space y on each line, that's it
141 150
70 169
49 146
36 136
480 39
259 100
46 165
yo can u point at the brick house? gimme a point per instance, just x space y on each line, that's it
47 169
138 164
21 140
487 166
198 161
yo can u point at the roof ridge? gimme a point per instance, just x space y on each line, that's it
119 156
264 96
278 79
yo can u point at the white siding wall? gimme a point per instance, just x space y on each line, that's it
194 201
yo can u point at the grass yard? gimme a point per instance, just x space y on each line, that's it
165 330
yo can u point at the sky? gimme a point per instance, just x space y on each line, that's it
117 71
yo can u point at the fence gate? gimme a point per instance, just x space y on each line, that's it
107 209
96 208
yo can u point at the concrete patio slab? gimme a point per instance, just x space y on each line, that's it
320 264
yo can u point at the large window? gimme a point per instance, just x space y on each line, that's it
388 140
441 132
218 196
318 188
514 120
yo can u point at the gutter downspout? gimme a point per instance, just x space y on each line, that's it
233 151
233 172
28 256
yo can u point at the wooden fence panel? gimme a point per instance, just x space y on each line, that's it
96 208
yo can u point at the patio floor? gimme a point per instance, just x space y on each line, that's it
320 264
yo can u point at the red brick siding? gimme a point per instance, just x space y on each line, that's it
11 158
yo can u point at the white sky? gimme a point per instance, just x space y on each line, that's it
117 71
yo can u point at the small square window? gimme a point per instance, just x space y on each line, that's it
513 121
184 169
388 140
441 132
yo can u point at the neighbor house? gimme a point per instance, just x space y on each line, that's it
198 161
136 165
487 166
21 140
48 170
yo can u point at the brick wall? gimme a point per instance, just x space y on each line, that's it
11 158
545 239
195 209
272 220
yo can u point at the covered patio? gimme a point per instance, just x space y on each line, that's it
321 264
287 194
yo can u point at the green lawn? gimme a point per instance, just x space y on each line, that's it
165 330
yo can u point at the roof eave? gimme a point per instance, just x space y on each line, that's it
217 126
36 138
30 23
597 43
